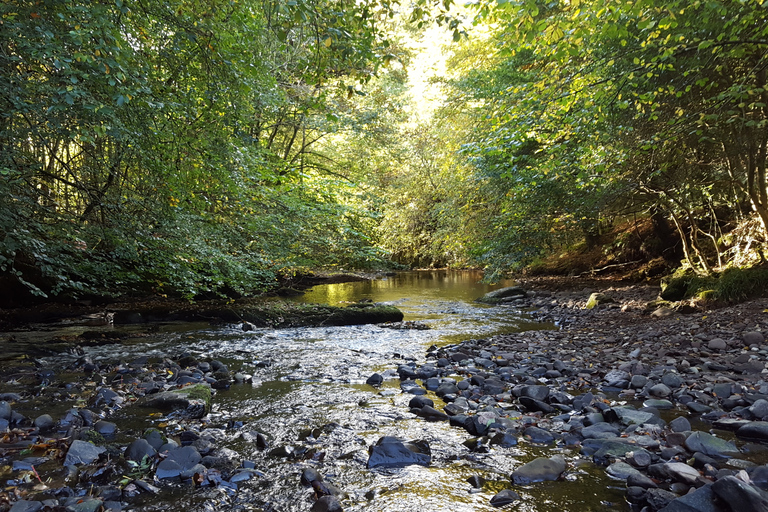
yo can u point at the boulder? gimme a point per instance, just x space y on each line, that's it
710 445
740 495
504 498
597 299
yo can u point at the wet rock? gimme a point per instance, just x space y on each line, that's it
504 498
188 402
628 416
702 499
139 449
759 409
496 296
390 452
672 380
105 428
45 423
412 387
5 411
710 445
533 405
310 475
640 480
622 471
535 392
659 498
80 504
680 424
26 506
326 504
617 379
638 381
538 435
429 413
660 391
539 470
82 452
418 402
504 440
741 496
178 462
601 430
476 481
681 472
613 449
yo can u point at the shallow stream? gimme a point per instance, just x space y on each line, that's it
309 391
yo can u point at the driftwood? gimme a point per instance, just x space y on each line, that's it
595 271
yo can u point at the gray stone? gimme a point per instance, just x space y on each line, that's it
5 411
722 390
539 470
740 496
188 402
753 338
640 480
539 435
82 452
701 500
760 409
597 299
672 380
638 381
717 344
505 497
26 506
496 296
629 416
681 472
326 504
680 424
390 452
621 470
660 391
600 431
45 423
754 431
710 445
139 449
535 392
617 378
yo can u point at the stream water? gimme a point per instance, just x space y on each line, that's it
309 391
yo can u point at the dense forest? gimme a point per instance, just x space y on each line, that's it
196 148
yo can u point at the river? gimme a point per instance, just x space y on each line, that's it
309 393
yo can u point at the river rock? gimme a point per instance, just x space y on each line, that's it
504 498
390 452
45 423
539 435
139 449
375 380
717 344
535 392
496 296
741 496
26 506
680 424
82 452
83 504
702 499
5 411
326 504
759 409
628 416
533 405
412 387
660 391
710 445
601 430
753 338
418 402
178 463
681 472
429 413
597 299
622 471
539 470
189 402
617 379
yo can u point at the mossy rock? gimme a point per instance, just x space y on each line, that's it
707 295
598 298
674 288
188 402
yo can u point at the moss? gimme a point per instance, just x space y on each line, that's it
707 295
92 437
197 392
732 285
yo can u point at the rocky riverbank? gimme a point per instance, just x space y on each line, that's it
671 399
